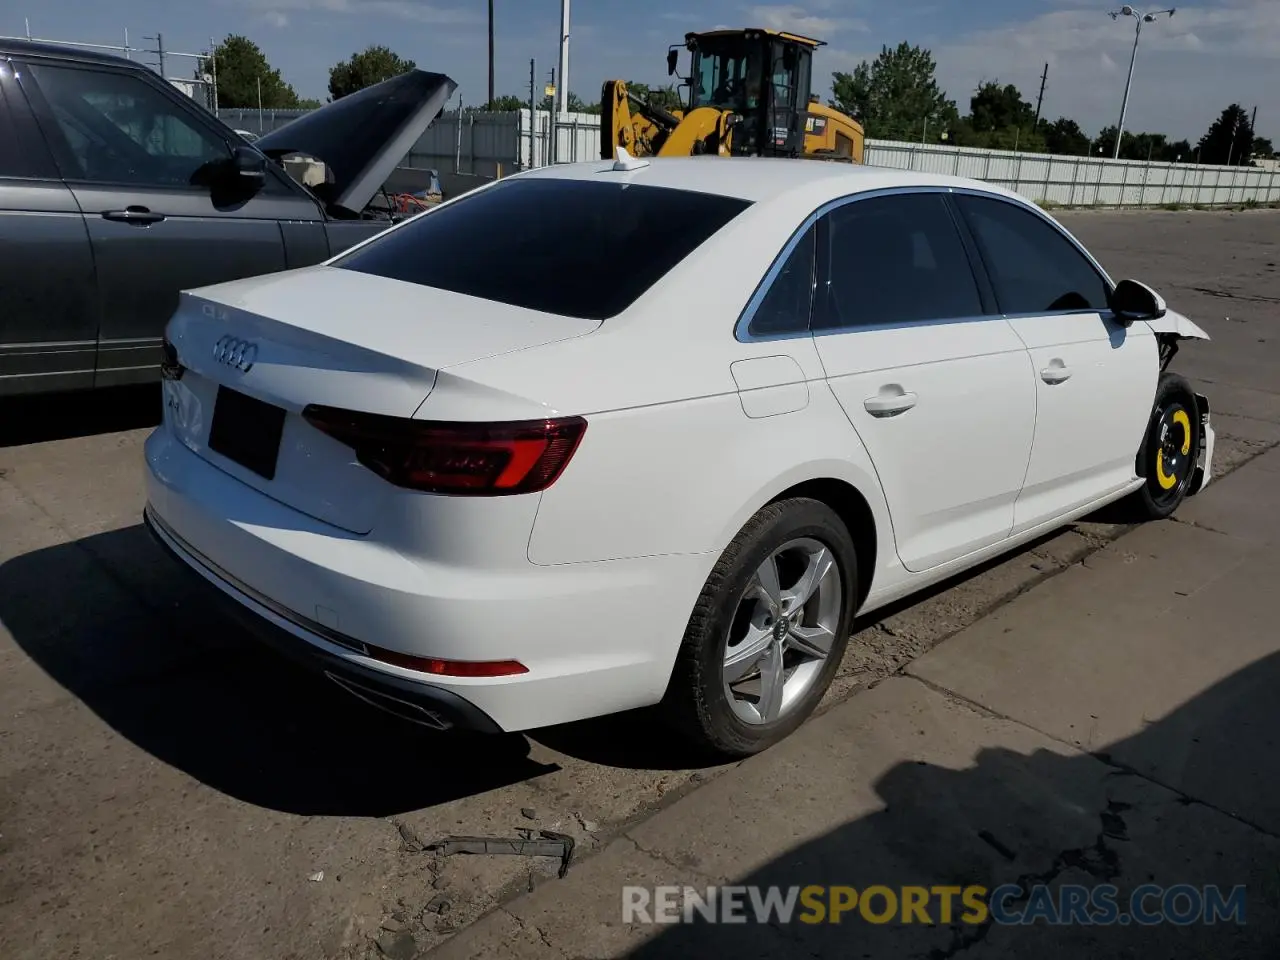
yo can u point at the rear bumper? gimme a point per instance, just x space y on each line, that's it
596 638
418 702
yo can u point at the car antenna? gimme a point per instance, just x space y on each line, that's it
627 162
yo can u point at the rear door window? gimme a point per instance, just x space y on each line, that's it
1033 267
895 260
570 247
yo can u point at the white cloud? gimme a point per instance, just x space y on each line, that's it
796 19
274 18
1189 66
398 9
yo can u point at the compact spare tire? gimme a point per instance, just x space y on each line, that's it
768 631
1169 451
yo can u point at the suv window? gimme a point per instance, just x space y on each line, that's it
1033 267
785 306
896 259
120 129
571 247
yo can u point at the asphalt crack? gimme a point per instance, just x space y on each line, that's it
1099 860
1228 295
537 930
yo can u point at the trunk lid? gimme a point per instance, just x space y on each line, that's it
329 337
363 136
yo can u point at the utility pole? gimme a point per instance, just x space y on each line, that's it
563 98
551 120
1044 77
160 52
490 54
259 79
213 71
533 119
1141 18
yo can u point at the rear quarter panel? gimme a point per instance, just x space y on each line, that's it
670 462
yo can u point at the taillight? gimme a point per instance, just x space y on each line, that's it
461 458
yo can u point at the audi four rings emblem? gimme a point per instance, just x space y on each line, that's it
235 352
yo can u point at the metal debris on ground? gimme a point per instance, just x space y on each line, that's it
547 843
408 839
317 876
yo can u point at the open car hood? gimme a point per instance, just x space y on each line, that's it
362 137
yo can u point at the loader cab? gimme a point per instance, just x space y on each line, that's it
763 76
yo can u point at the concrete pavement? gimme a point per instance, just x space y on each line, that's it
1116 724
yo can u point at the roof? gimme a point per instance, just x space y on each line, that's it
784 34
759 178
31 48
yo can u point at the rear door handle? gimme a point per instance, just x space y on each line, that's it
138 215
1056 372
891 405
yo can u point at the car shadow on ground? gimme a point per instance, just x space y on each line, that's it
148 653
1042 816
38 418
118 625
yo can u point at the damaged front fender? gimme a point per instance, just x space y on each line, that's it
1177 326
1170 328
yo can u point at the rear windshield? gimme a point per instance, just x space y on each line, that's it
571 247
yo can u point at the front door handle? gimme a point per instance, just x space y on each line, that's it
1055 372
138 215
890 405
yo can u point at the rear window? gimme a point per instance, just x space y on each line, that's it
569 247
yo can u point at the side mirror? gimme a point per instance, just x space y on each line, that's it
672 56
247 166
1131 301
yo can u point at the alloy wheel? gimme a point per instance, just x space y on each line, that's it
783 630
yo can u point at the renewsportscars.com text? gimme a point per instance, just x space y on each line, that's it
1009 904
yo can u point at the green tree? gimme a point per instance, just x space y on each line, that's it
240 66
575 104
308 103
994 107
1230 139
1000 119
895 97
372 65
667 97
505 104
1263 149
1065 137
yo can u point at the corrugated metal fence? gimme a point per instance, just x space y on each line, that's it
494 144
1085 181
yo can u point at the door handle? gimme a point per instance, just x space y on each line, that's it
1055 372
890 405
138 215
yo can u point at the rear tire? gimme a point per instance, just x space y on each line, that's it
1169 451
760 651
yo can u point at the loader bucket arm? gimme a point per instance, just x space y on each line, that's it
628 121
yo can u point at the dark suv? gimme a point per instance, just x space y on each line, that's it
117 191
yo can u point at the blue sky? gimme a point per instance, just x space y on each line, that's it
1189 67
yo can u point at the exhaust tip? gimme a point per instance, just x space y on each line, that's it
404 709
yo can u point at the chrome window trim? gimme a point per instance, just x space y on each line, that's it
742 334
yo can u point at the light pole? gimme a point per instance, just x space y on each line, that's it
1140 18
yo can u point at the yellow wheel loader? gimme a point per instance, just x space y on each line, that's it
748 95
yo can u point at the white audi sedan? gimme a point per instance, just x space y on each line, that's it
615 434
